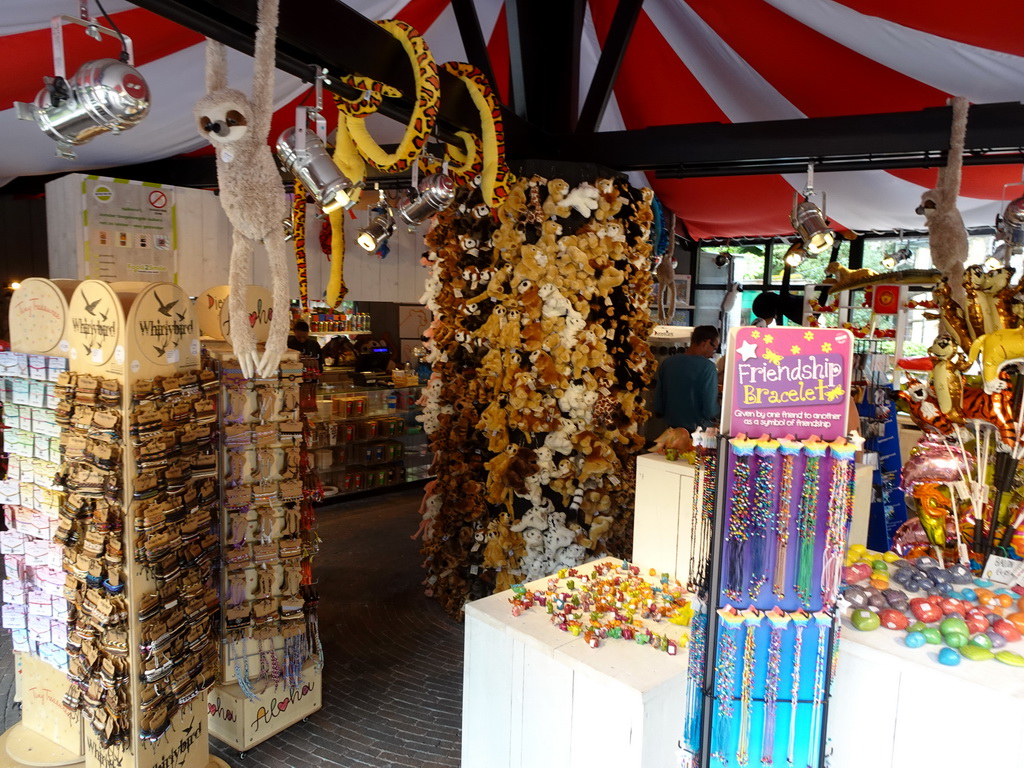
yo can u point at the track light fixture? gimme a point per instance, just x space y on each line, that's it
304 155
381 227
809 220
722 258
795 255
897 257
434 194
104 95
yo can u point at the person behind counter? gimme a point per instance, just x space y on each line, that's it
686 392
301 341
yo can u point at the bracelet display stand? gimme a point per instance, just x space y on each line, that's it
784 502
35 609
270 662
138 526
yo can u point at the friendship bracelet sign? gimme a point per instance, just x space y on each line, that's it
787 381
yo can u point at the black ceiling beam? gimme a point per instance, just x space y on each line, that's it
612 53
544 52
330 34
995 135
473 39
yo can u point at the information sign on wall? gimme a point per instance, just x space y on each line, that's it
787 381
129 230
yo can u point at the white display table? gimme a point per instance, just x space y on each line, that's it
894 706
536 696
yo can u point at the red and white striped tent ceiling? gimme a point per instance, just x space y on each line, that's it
689 61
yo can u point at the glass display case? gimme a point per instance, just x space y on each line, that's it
367 437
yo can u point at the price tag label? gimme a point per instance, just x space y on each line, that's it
97 356
173 356
1003 570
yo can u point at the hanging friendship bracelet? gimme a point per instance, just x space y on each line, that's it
808 520
762 512
822 620
790 449
800 621
751 622
839 513
730 625
699 478
739 516
779 620
694 682
709 494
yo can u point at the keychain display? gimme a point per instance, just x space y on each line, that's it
269 531
170 444
34 608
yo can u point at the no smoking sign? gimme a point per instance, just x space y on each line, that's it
158 199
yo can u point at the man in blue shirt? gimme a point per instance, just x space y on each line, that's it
686 393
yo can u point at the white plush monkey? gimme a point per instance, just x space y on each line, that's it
250 187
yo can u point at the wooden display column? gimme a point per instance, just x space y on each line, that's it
48 734
259 418
130 336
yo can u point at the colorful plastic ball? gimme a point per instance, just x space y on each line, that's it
998 641
932 636
976 653
914 640
980 640
955 639
949 657
1010 657
1007 629
864 620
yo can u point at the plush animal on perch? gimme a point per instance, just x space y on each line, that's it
250 187
947 235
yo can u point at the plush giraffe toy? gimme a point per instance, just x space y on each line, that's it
250 187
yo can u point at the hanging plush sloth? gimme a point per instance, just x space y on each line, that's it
250 187
947 235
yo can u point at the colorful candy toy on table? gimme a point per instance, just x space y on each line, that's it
614 601
971 618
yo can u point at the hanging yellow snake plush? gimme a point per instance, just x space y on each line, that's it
354 145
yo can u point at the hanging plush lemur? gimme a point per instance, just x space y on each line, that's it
666 272
250 186
947 235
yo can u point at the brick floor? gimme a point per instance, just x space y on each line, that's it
393 672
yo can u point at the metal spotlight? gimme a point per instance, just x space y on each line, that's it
1010 226
435 193
809 220
795 255
722 258
304 155
103 95
891 260
381 227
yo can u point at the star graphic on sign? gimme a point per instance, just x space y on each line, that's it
795 349
747 350
809 335
768 338
857 440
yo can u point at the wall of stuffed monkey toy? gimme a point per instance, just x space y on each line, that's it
539 356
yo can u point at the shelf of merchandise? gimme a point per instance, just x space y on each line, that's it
360 444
